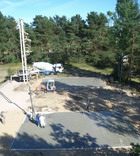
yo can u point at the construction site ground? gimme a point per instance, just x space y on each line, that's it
62 100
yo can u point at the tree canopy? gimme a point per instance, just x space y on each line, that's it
100 40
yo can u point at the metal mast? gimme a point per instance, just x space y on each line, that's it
23 51
23 39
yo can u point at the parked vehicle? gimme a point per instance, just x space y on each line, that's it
50 86
58 68
48 68
26 73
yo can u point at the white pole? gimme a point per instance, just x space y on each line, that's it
24 62
21 47
23 51
32 105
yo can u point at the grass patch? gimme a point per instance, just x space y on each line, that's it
105 71
136 80
12 66
6 70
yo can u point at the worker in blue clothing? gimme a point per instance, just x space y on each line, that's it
37 120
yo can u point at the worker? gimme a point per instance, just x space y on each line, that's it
2 117
37 120
42 121
88 105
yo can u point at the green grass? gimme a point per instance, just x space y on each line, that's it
87 67
15 66
6 70
136 80
12 66
64 75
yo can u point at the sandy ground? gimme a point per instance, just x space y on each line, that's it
13 103
61 100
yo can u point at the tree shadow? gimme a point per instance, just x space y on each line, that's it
27 141
59 138
124 110
74 71
136 85
115 122
127 108
73 140
5 150
74 83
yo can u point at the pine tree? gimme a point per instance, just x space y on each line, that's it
128 39
9 40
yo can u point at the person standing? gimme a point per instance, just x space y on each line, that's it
42 121
88 105
2 117
37 119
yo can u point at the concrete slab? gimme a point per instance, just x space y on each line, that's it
77 82
71 130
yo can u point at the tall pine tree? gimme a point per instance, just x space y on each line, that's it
128 39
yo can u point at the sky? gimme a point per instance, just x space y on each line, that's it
28 9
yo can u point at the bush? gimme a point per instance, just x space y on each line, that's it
135 150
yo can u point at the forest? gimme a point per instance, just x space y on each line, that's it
111 40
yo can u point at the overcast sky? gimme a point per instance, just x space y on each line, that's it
28 9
